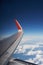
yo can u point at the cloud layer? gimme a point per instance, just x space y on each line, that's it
30 52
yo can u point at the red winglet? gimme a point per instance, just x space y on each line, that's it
18 25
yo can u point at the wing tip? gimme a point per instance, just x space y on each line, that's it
18 25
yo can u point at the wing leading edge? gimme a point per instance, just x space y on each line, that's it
8 45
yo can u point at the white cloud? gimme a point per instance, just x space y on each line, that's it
31 53
41 59
39 53
38 56
20 49
30 46
30 60
27 38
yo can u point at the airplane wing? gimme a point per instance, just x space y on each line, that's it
8 45
19 62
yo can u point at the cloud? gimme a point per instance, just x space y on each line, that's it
30 60
32 51
20 49
27 38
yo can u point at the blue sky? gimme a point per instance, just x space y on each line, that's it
29 13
